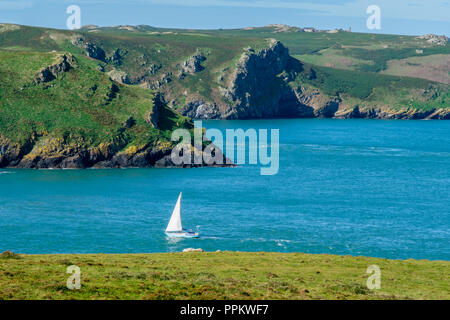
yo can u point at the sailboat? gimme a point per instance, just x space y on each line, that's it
174 228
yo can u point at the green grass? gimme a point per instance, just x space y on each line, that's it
355 83
363 55
82 108
375 90
348 50
224 275
432 67
140 50
332 58
382 56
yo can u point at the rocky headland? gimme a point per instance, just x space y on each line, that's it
109 98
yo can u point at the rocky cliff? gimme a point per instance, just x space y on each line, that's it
259 83
58 111
257 87
264 81
392 114
243 74
265 84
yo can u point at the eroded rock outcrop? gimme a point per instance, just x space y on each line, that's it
65 63
119 76
5 27
200 109
434 39
154 114
12 153
440 114
117 57
193 64
91 50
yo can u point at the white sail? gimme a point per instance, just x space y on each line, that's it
175 221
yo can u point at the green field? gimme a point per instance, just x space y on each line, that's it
351 50
220 275
356 88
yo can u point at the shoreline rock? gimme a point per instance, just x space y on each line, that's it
148 157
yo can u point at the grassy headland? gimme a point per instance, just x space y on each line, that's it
220 275
58 110
340 74
76 99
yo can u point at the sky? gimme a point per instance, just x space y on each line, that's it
409 17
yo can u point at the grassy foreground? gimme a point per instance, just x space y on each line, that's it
221 275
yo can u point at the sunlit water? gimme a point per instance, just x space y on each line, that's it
358 187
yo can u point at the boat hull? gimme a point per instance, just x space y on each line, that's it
182 234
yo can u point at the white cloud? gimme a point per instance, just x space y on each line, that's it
15 5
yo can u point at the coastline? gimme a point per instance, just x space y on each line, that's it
154 158
220 275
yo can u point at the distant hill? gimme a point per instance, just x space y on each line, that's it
58 110
110 97
274 71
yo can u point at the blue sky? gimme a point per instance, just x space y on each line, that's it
397 16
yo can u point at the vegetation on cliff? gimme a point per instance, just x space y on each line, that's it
58 110
86 97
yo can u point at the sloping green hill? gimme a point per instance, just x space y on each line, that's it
333 48
255 72
360 51
58 110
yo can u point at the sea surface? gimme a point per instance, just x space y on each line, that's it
350 187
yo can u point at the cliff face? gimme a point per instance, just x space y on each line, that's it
56 152
222 75
263 85
58 111
257 88
315 104
254 84
392 114
259 83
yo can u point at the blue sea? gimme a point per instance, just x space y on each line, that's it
349 187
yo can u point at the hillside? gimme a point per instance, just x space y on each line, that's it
332 48
58 111
376 53
349 68
275 71
219 275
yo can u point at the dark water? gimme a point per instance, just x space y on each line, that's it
358 187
